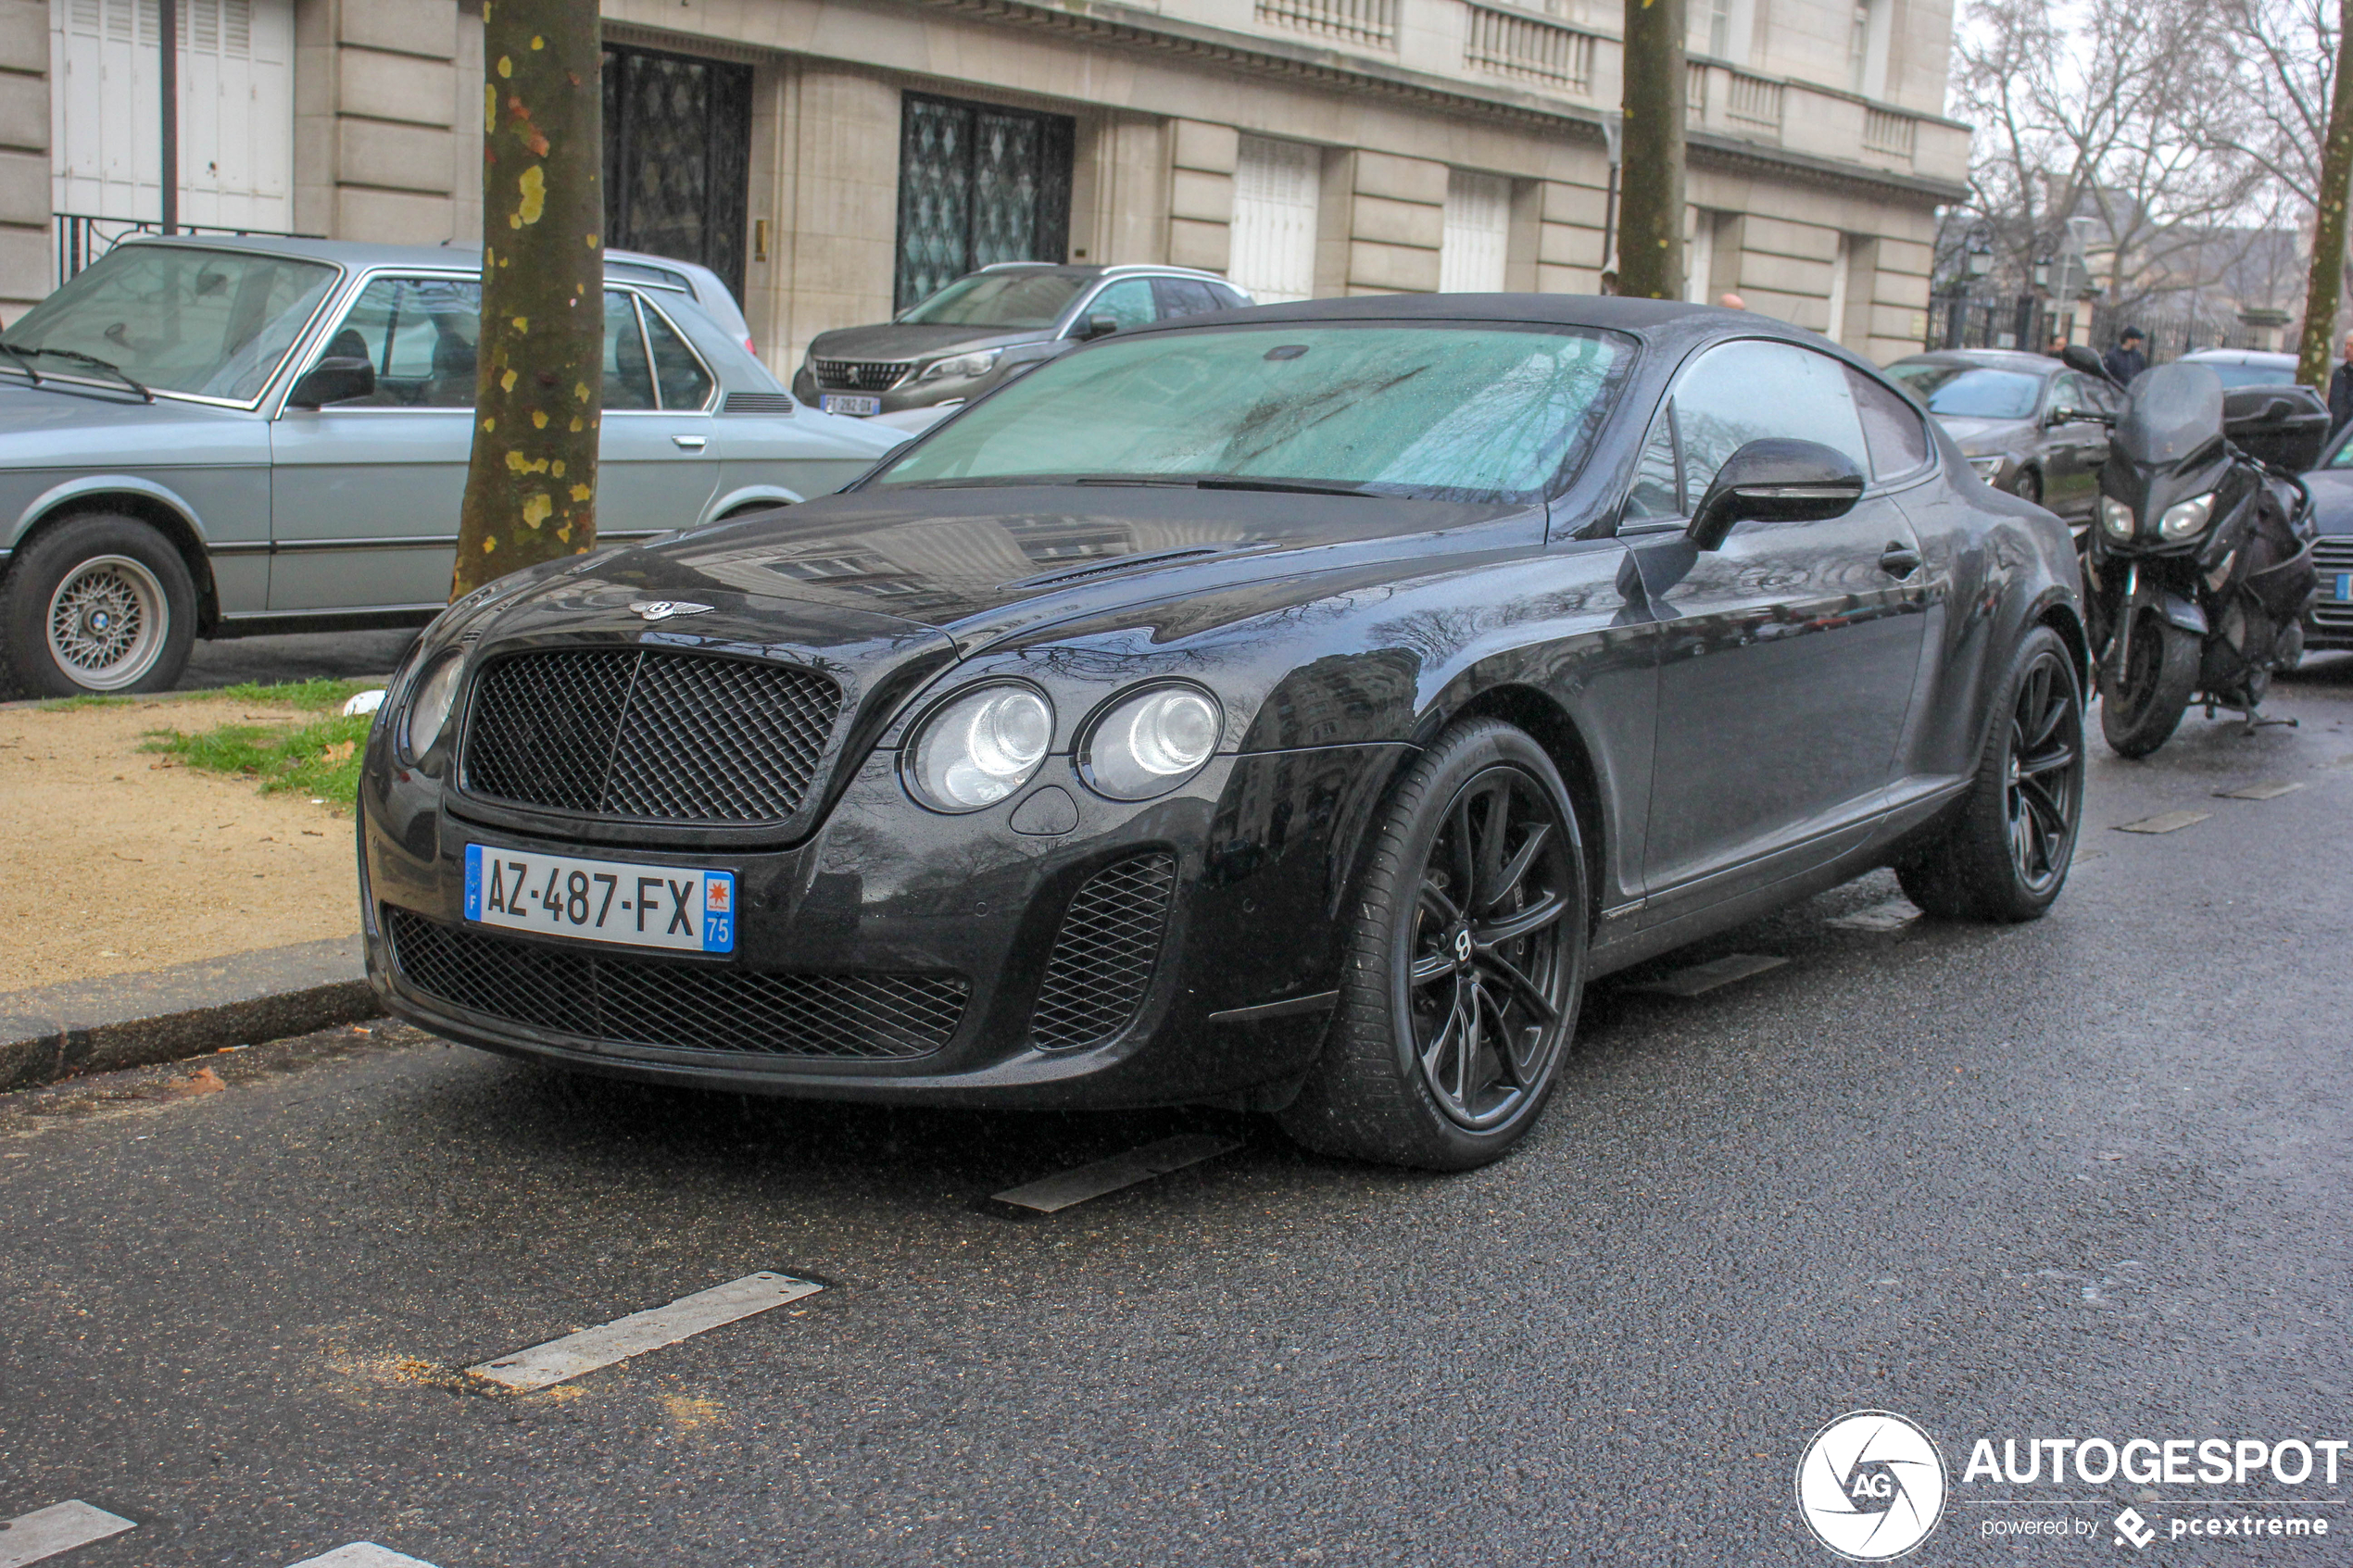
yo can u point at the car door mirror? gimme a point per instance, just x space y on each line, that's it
334 379
1776 481
1097 326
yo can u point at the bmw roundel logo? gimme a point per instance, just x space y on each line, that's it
1870 1486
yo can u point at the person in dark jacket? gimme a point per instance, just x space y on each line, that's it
2126 361
2341 392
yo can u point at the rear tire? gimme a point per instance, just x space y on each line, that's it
1466 965
99 604
2004 856
2141 705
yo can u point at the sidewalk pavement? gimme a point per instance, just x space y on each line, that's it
52 1032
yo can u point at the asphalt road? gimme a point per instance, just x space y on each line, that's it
295 656
2081 1178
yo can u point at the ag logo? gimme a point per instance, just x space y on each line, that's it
1870 1486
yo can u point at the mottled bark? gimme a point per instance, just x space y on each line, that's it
531 491
1650 222
2325 283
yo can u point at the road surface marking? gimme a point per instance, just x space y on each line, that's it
363 1554
43 1533
624 1338
1051 1194
2164 822
1714 972
1892 915
2270 791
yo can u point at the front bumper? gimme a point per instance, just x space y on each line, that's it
909 393
1233 1000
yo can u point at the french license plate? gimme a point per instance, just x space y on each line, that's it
675 906
848 403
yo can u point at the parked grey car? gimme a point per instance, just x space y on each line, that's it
2019 420
989 326
2247 367
177 461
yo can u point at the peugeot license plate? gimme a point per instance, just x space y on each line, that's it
676 907
848 403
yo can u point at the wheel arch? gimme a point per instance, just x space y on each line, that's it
155 506
1550 726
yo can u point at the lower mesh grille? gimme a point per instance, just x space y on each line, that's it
603 996
1102 959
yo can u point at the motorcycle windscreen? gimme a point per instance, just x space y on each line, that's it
2171 412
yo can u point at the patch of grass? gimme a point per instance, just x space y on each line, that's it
319 760
85 699
322 697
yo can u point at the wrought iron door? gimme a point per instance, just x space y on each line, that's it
678 157
977 184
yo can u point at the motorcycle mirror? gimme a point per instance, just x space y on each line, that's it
2075 357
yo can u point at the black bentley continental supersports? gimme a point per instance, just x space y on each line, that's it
1292 710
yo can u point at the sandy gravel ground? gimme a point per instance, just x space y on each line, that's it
116 860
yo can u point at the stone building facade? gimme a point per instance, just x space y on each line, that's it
829 156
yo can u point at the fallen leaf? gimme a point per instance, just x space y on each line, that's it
339 752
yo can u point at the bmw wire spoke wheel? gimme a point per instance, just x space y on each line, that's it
1465 966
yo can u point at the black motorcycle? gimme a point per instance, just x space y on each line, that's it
2197 568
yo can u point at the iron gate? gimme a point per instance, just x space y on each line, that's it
678 157
977 184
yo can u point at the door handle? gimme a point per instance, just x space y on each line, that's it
690 443
1899 561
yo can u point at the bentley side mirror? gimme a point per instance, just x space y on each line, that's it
1097 326
1776 481
334 379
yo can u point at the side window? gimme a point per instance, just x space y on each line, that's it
1128 302
420 334
678 374
629 381
1655 494
1184 296
1744 392
1892 428
2067 392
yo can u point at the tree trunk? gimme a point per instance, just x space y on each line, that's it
531 490
2327 276
1649 214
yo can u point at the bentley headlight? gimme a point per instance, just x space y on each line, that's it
1150 743
962 365
1987 465
2116 518
2186 519
429 704
980 748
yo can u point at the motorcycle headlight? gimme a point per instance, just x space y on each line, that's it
962 365
2116 518
980 748
429 704
2186 519
1150 743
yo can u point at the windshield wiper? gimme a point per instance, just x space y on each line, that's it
18 355
1300 486
75 356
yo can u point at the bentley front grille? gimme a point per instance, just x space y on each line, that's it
599 994
649 734
1103 958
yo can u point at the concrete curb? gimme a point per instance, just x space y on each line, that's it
80 1026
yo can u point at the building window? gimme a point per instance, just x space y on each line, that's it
1275 191
1477 233
1719 29
678 157
977 185
1858 44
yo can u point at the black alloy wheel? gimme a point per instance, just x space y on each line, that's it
1467 965
2045 799
2004 856
2030 487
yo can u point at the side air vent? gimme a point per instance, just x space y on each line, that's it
757 403
1103 958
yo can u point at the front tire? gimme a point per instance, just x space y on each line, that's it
2142 703
2004 856
99 604
1466 965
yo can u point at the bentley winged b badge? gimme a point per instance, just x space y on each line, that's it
662 609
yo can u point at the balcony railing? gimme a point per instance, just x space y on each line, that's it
1695 92
1890 133
1358 21
1753 101
83 237
1516 45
